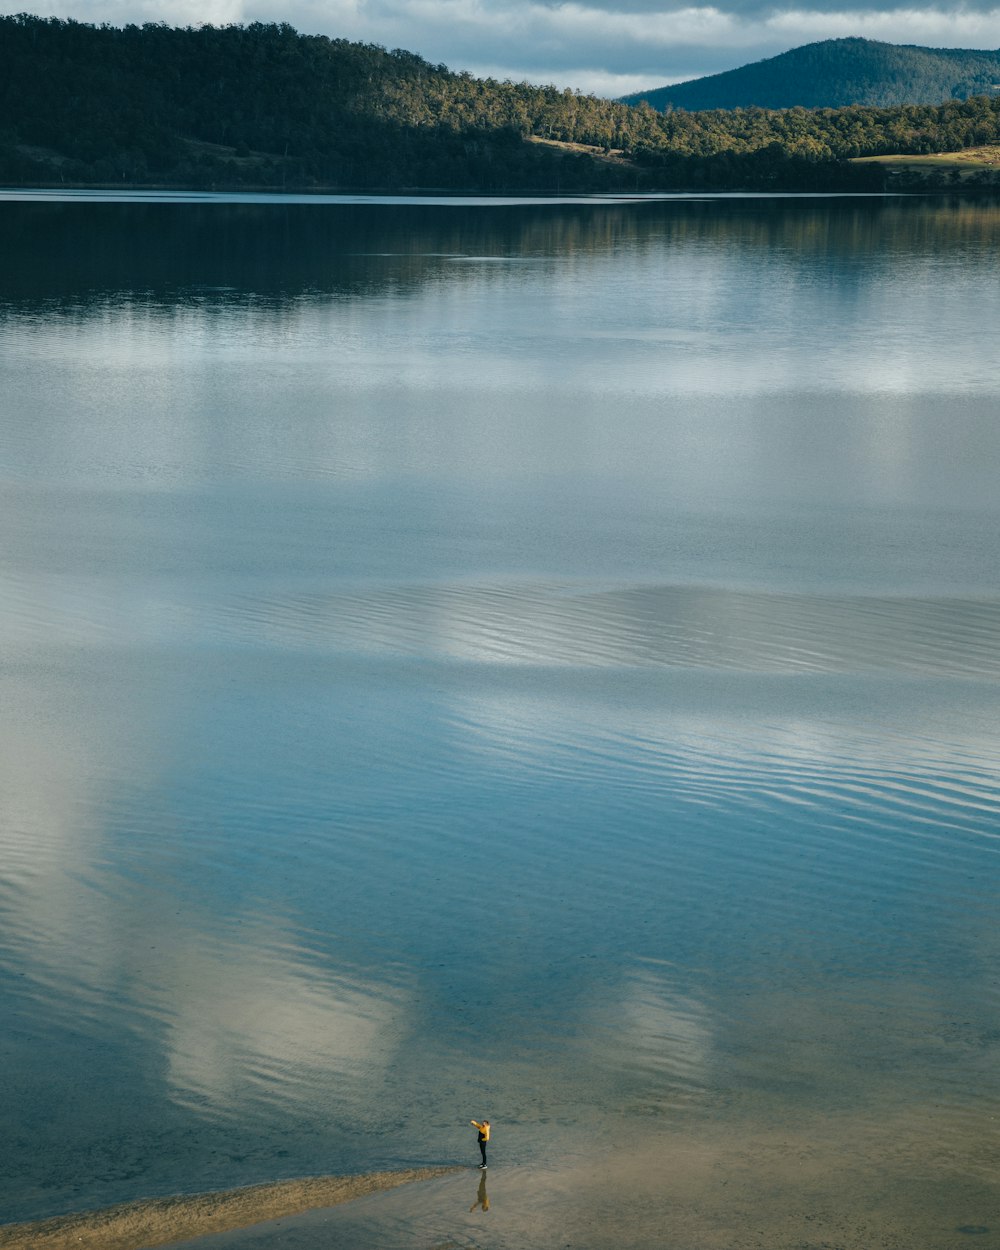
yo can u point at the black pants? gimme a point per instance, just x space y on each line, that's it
482 1149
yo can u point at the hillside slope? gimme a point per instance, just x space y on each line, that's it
835 73
266 107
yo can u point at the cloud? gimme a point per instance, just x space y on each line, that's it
931 27
594 45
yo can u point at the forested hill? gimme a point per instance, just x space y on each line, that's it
263 106
839 72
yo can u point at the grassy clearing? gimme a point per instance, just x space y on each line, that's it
963 164
609 156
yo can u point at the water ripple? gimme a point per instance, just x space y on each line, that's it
675 627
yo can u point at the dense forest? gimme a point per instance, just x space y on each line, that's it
266 107
836 73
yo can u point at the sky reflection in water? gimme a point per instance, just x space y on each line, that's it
527 662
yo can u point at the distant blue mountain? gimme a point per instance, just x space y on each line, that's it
835 73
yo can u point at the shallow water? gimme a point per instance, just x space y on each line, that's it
528 661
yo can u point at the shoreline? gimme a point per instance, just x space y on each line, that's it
167 193
159 1221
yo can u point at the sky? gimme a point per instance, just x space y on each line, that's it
605 47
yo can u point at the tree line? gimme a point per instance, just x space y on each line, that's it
262 105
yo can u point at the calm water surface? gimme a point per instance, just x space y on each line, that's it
533 661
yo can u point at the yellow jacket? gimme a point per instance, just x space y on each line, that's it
484 1129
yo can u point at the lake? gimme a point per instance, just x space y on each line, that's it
534 661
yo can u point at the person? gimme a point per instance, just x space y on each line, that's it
483 1138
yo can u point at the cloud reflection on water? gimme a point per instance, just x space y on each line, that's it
558 730
241 1016
256 1022
652 1045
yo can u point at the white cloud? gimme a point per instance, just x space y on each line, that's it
931 27
600 47
598 82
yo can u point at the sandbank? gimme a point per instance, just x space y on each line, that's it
160 1221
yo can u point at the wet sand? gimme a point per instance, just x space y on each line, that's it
904 1179
160 1221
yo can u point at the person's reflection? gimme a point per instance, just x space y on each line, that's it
481 1198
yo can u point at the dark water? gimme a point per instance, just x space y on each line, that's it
527 661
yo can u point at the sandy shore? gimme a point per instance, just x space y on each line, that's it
159 1221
